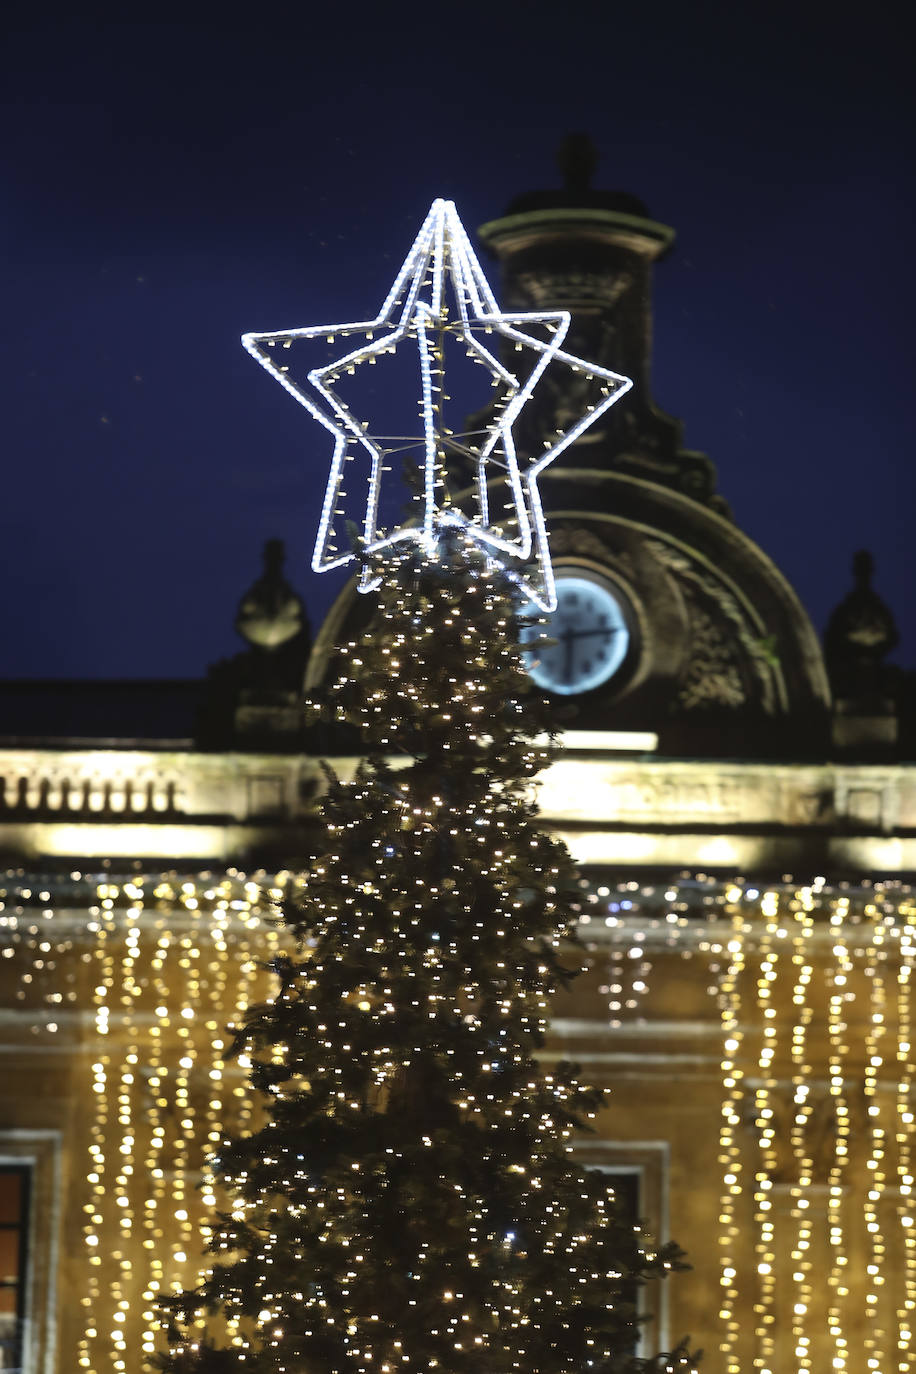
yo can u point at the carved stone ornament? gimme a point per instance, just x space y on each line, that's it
723 642
543 289
576 542
570 539
712 676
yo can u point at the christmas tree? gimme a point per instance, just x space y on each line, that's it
411 1202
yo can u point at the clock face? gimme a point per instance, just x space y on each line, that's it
591 637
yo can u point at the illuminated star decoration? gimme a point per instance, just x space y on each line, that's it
417 309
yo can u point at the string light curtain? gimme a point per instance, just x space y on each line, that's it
816 1137
142 976
811 988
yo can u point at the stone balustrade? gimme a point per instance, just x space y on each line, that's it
611 804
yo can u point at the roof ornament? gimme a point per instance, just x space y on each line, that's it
577 159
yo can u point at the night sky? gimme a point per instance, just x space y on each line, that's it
168 185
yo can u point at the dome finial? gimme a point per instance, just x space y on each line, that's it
577 158
863 568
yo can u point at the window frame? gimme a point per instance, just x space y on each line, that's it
649 1161
21 1227
38 1152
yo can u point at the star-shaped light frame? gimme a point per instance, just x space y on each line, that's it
417 308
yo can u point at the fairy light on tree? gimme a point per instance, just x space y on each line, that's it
409 1200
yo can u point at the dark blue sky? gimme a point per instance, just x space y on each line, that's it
166 186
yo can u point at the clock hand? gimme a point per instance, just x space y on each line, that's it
568 655
602 630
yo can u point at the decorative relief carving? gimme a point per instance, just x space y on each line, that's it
814 807
572 540
573 789
675 799
722 643
544 289
712 676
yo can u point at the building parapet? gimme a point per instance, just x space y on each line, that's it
612 803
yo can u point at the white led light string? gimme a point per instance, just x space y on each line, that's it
417 306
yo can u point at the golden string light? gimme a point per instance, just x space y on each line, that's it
765 1122
153 1218
838 974
814 987
834 965
904 1105
123 1072
876 1163
730 1003
99 1148
164 964
801 1109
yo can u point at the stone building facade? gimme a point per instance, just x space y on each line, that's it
742 807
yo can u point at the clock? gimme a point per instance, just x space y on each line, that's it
590 632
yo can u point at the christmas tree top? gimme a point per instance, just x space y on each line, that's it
441 304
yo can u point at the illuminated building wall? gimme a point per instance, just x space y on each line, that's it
118 997
754 1032
755 1041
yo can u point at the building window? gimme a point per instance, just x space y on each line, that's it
627 1195
15 1194
638 1172
626 1183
